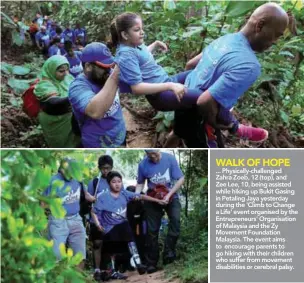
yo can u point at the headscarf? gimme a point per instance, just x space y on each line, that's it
48 84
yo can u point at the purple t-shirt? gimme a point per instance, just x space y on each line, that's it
165 172
81 32
75 63
68 35
43 39
112 211
109 131
55 50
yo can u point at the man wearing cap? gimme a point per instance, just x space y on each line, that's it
95 100
69 229
161 168
42 40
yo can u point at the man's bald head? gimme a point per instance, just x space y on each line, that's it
267 23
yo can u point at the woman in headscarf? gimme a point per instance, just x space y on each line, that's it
56 114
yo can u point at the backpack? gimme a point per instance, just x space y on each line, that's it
31 105
159 192
86 206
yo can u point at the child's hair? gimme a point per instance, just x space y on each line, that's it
56 40
58 30
121 23
105 159
112 175
68 45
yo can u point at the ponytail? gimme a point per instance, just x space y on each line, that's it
114 34
121 23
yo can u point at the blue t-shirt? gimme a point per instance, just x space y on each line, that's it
80 32
68 35
112 211
165 172
68 191
43 39
75 63
102 187
55 50
110 131
138 65
227 69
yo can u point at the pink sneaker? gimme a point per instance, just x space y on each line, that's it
251 133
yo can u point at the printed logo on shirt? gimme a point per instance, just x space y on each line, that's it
161 179
76 69
121 212
114 107
72 197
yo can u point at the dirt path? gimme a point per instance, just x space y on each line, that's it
157 277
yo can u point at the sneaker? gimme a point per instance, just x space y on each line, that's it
97 276
251 133
141 269
151 269
169 258
105 275
118 275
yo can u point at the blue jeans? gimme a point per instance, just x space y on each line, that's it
68 230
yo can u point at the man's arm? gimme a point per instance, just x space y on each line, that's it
147 198
89 197
139 188
174 189
208 107
101 102
191 64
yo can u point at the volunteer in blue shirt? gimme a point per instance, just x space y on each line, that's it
95 100
43 40
55 48
81 34
70 229
161 168
68 34
74 58
110 217
228 67
96 188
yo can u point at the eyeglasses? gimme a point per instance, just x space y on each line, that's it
106 168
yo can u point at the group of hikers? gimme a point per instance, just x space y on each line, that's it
124 222
201 97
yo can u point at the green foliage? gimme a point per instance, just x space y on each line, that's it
27 255
164 120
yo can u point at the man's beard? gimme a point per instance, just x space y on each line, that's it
97 80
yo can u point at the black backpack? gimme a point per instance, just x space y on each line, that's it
86 206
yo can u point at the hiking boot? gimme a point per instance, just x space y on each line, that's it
141 269
97 276
105 275
169 258
118 275
251 133
151 269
